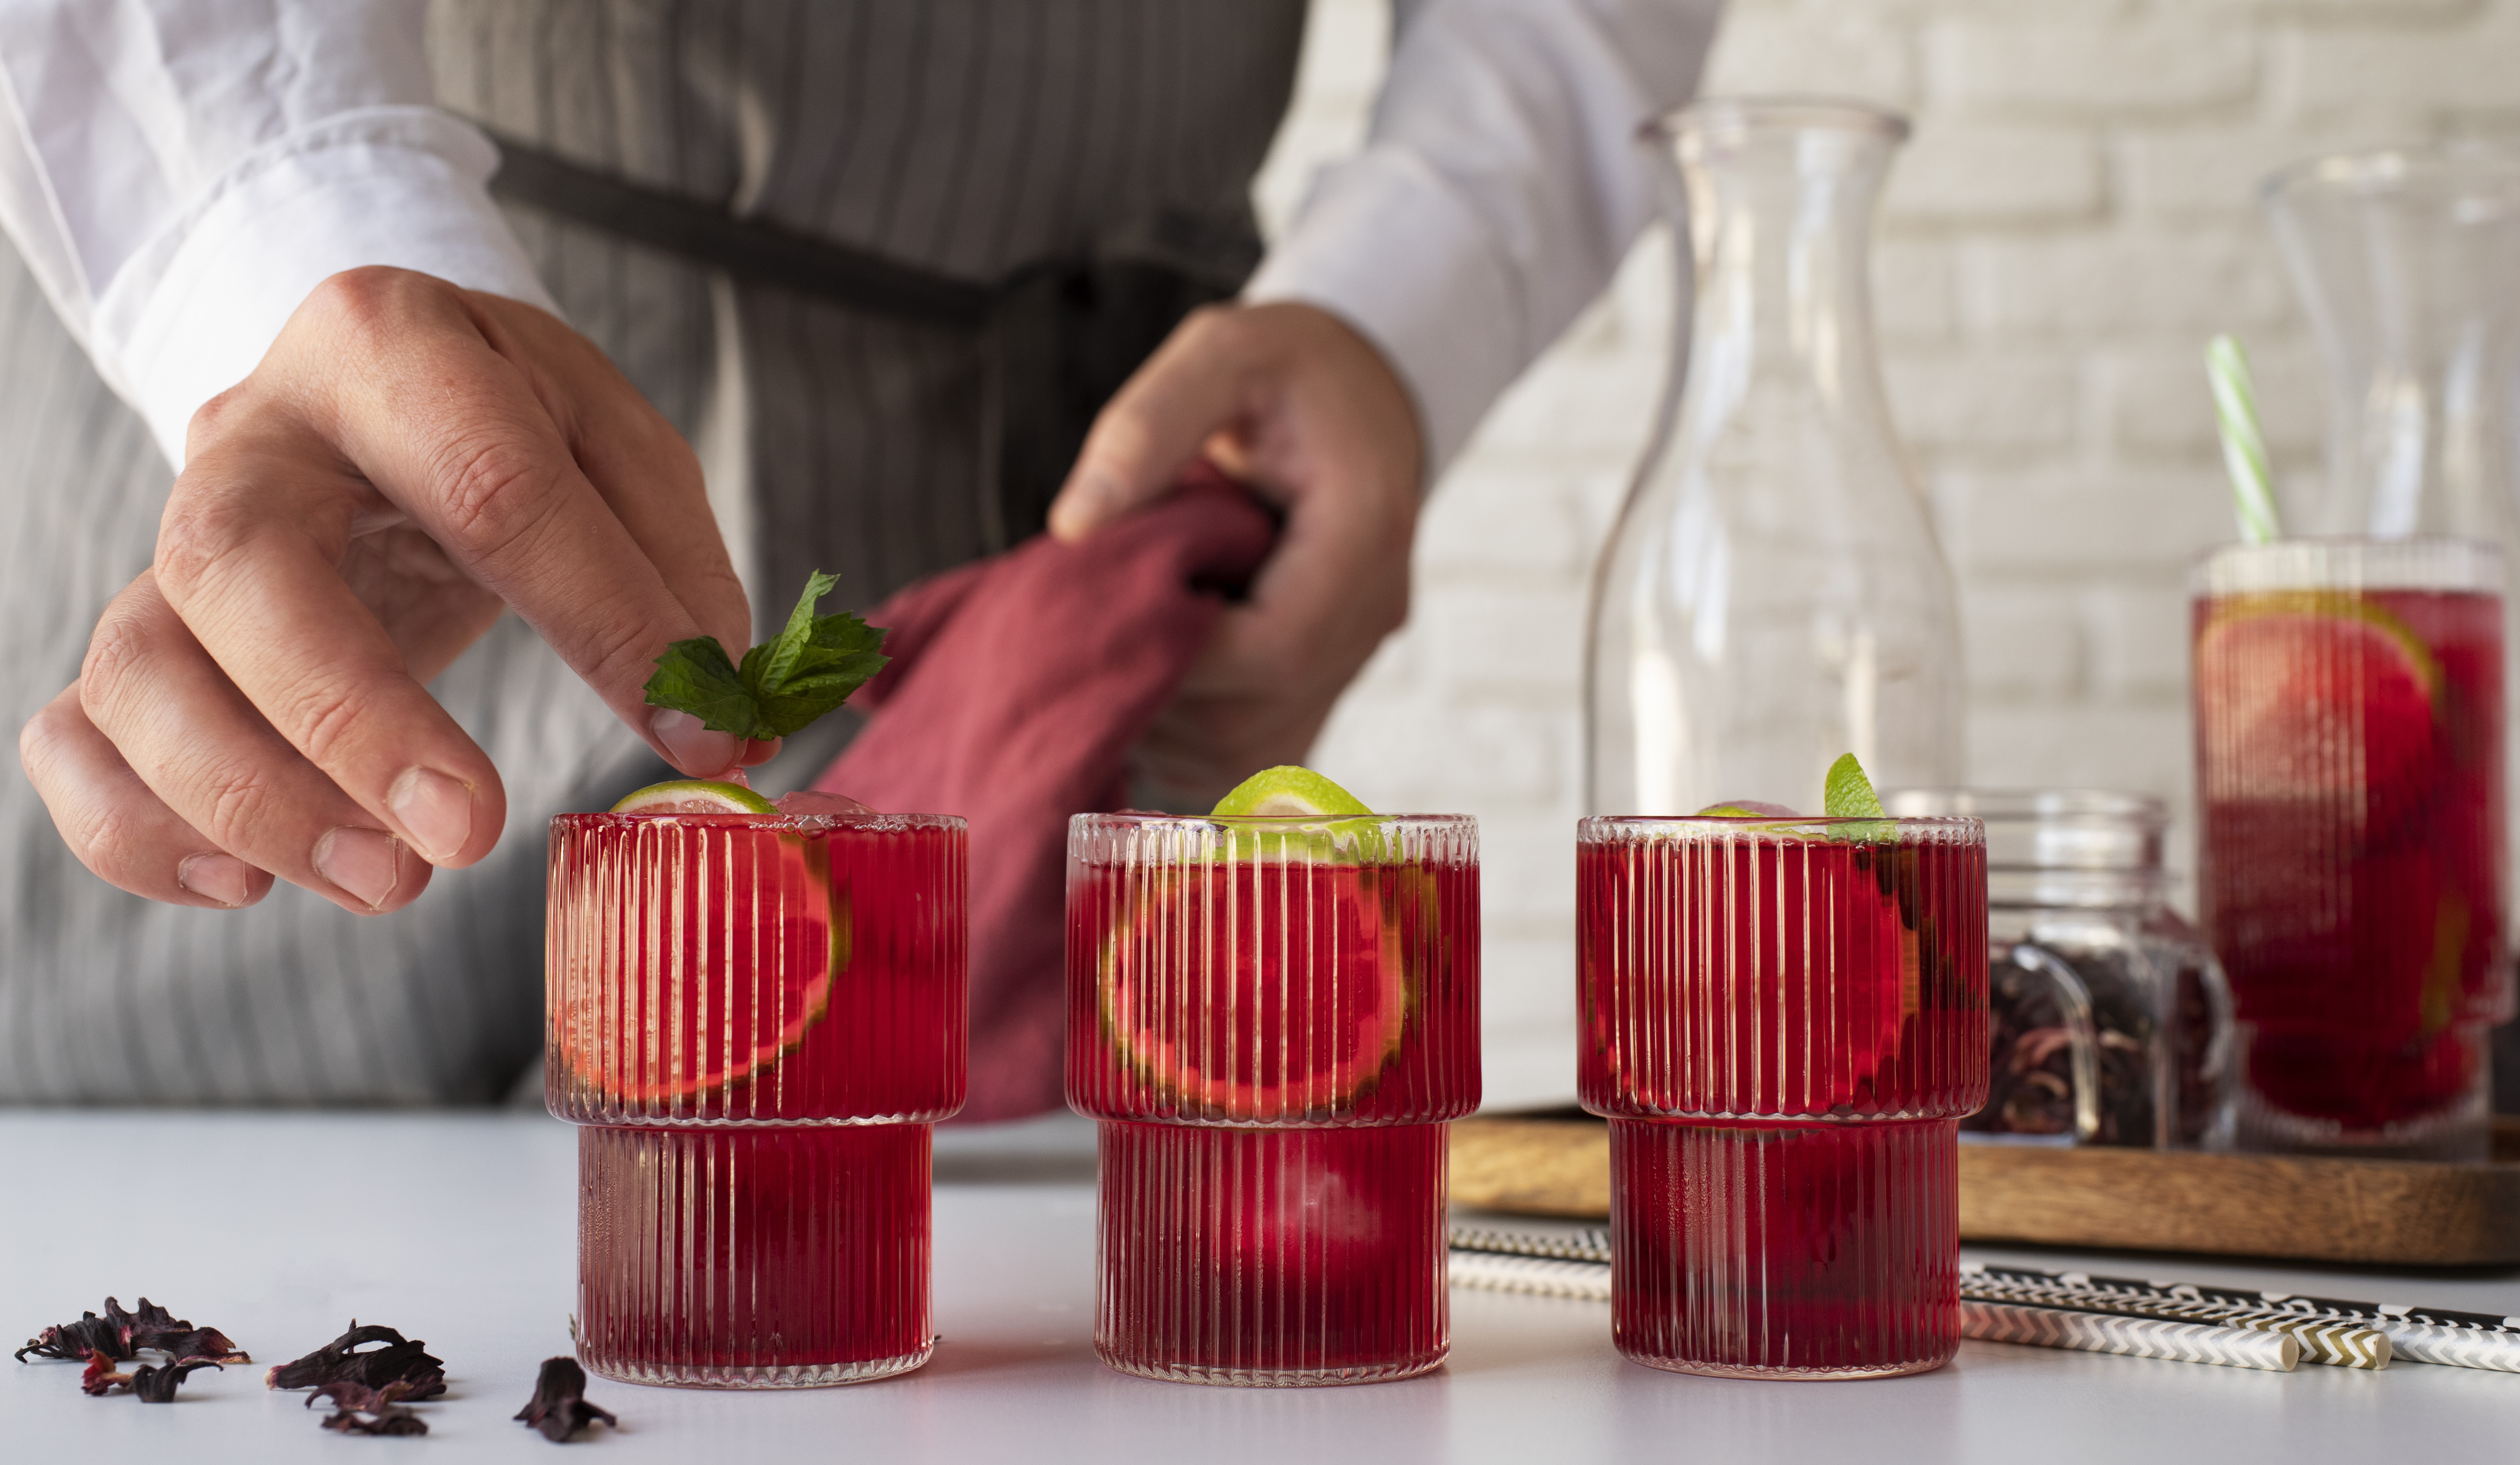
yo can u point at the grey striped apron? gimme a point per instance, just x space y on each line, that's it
971 137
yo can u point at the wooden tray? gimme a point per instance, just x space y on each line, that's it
2391 1212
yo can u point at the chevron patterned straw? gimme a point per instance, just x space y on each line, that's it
2417 1335
2244 447
2136 1337
2338 1340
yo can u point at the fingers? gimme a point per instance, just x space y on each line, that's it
118 827
1190 388
209 760
405 392
646 473
273 645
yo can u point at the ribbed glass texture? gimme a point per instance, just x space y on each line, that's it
1822 1251
1811 968
754 1257
1273 1018
1273 971
2350 772
1272 1257
715 968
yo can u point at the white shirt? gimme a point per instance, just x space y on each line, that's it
180 173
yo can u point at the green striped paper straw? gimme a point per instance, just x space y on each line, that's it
2244 447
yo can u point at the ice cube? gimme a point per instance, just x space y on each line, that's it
815 803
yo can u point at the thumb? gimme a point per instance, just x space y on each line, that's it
1153 427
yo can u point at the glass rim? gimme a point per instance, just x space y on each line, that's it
1984 804
2350 561
1593 824
876 824
2399 170
1150 820
1726 119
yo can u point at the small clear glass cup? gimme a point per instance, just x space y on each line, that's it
1274 1020
1783 1021
754 1019
2350 774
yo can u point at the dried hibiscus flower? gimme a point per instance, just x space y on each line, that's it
120 1335
558 1407
153 1384
401 1360
358 1409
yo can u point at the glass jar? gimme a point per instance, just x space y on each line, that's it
1773 596
2111 1022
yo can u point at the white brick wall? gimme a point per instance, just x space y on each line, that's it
2075 215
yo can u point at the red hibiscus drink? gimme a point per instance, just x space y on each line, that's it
1273 1018
2350 772
1784 1020
755 1018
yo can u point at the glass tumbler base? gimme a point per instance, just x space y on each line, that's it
753 1257
2426 1100
775 1376
1785 1252
1272 1257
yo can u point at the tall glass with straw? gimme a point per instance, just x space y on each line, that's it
2350 772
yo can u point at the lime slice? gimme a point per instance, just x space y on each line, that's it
745 972
695 796
1746 809
2315 694
1289 792
1254 1019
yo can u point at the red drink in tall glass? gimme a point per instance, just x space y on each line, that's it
756 1017
1785 1022
1273 1018
2350 763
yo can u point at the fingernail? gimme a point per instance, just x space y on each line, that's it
220 877
436 811
695 749
361 861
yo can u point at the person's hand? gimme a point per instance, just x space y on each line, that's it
1290 401
407 456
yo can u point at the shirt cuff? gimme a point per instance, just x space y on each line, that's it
1383 244
195 308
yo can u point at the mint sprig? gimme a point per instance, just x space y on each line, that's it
1848 794
783 683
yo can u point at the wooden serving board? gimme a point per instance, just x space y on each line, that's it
2402 1212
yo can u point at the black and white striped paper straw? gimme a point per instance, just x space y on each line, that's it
2422 1335
2342 1342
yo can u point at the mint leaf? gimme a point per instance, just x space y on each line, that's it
810 667
1849 793
695 676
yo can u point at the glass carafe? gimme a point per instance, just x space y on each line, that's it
2405 258
1773 596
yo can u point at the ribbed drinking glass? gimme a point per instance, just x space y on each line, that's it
1272 1019
1783 1021
755 1018
2350 772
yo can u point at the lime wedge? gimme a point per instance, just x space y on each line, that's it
1746 809
1289 792
1849 794
695 796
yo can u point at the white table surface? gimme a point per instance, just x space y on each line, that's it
458 1230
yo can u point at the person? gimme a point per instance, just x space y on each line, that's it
453 471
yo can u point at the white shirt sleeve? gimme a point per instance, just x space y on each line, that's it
1500 186
179 174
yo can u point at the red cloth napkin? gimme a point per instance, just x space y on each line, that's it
1018 687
